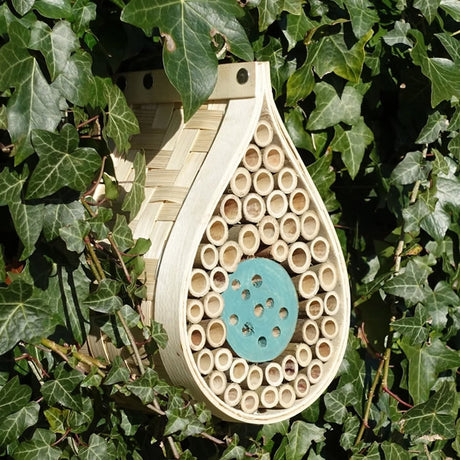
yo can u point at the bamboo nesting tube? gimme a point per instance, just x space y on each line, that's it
329 327
278 251
231 209
307 331
218 278
254 378
277 204
252 159
253 208
290 227
263 134
298 259
315 371
249 402
217 382
273 158
309 225
299 201
269 230
301 351
216 332
319 249
263 182
268 396
230 254
216 231
194 310
323 349
233 394
307 284
206 257
313 307
289 366
327 275
331 302
213 304
222 359
199 283
273 373
240 183
204 360
286 180
238 371
286 395
196 337
247 236
301 386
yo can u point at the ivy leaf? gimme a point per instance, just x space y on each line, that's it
12 426
74 234
13 396
122 234
410 169
62 163
436 222
300 84
34 105
54 9
435 125
268 12
414 214
23 315
23 6
38 448
300 438
105 299
337 401
398 35
234 450
438 302
55 44
362 15
118 372
428 8
412 328
159 334
57 419
451 7
134 198
188 28
98 449
122 122
448 191
323 176
83 13
296 28
433 417
451 45
59 215
425 363
394 451
143 387
352 144
331 109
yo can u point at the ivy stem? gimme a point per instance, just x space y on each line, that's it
133 342
173 446
387 354
95 260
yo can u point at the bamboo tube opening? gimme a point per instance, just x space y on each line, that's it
204 361
319 249
331 302
273 158
313 307
286 396
222 359
298 259
277 204
238 370
290 367
263 182
315 371
253 208
231 209
307 284
299 201
217 231
329 327
286 180
263 134
196 337
230 254
290 227
240 183
216 333
249 402
309 225
217 382
199 283
301 386
249 239
195 310
327 275
268 396
323 349
302 353
273 374
252 159
232 394
206 256
213 304
255 377
218 279
269 230
310 332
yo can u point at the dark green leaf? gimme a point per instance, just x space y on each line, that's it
59 215
38 448
12 426
451 7
98 449
300 438
159 334
54 9
428 8
83 13
337 401
118 372
437 304
297 27
300 84
234 450
393 451
435 125
122 234
105 298
413 327
136 195
363 16
13 396
410 169
451 45
398 35
143 387
74 234
436 222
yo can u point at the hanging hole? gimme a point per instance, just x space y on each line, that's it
262 342
236 284
276 332
256 281
246 295
233 320
283 313
242 76
258 310
147 80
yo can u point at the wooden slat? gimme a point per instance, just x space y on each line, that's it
157 177
187 174
172 194
183 146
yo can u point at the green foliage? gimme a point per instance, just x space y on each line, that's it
369 92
